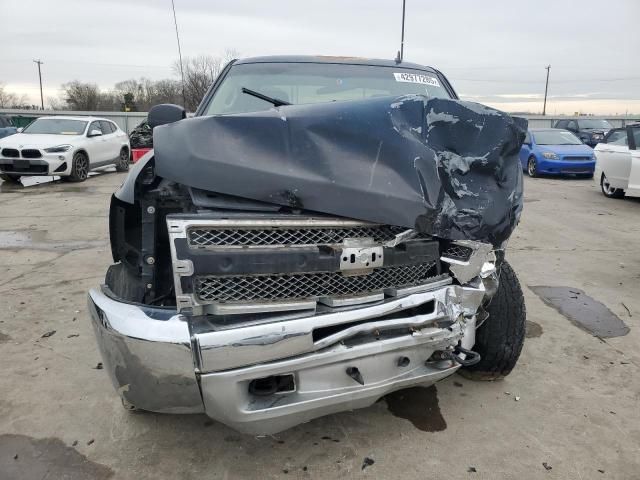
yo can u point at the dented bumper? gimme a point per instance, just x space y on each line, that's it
157 363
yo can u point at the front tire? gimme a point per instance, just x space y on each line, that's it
609 191
532 167
10 178
500 338
79 168
123 160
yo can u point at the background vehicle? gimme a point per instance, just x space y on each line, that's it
556 152
589 130
247 244
66 146
618 162
141 140
6 127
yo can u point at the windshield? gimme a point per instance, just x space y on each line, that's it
556 137
592 123
300 83
56 126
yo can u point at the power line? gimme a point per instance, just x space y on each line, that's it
40 78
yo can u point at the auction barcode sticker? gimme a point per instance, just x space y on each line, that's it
416 78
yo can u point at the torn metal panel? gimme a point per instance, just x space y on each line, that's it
444 167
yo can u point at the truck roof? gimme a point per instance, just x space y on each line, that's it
376 62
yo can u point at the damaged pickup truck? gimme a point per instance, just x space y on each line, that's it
323 232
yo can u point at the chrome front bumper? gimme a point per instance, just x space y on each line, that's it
157 364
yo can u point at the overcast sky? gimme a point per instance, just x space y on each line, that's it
492 51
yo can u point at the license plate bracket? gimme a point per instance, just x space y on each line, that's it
21 164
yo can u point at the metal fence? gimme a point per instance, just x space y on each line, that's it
128 120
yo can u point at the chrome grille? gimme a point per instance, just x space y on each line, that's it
309 285
458 252
200 237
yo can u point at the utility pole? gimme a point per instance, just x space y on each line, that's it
401 53
546 88
40 77
175 22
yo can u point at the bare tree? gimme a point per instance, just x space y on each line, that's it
141 94
144 93
81 96
199 74
165 91
11 100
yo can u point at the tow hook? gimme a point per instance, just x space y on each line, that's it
471 358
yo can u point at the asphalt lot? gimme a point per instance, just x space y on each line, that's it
571 404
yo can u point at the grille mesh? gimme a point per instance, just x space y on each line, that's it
458 252
212 237
309 285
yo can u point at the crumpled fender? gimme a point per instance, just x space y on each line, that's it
444 167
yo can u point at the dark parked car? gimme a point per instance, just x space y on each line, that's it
6 127
324 231
141 136
590 130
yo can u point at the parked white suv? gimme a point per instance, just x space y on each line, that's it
66 146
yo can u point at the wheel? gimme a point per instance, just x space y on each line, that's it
500 338
123 160
608 190
532 167
79 168
10 178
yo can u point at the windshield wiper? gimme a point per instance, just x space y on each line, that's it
275 101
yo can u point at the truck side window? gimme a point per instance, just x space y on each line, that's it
572 125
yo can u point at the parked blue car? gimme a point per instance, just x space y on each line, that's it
553 151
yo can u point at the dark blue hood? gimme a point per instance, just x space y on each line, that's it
444 167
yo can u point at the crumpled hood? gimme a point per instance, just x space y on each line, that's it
445 167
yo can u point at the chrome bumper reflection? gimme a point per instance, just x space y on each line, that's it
147 354
155 364
239 347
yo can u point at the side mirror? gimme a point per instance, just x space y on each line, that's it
165 113
94 133
20 129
